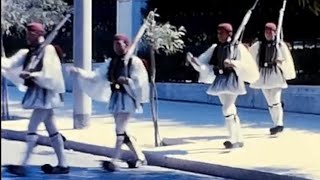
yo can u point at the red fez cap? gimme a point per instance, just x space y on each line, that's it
119 37
271 26
226 26
36 27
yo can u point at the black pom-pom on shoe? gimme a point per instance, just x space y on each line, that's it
136 163
48 169
109 166
17 170
227 144
276 130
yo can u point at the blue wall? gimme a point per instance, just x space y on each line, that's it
298 98
302 99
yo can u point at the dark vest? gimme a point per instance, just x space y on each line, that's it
30 64
34 91
115 70
267 54
219 55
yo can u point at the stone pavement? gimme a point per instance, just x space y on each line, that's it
193 134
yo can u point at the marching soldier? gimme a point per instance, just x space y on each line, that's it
129 86
226 75
44 81
275 66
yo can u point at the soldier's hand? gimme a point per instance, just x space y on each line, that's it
228 63
279 62
71 69
192 59
122 80
25 75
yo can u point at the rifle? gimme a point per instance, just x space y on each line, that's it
36 57
279 35
147 22
241 28
280 21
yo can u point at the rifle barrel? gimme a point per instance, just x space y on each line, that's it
243 23
53 34
254 5
280 21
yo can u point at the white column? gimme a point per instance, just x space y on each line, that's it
124 18
82 50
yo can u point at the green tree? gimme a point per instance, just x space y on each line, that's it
161 38
15 14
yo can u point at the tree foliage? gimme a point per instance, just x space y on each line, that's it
165 37
17 13
312 5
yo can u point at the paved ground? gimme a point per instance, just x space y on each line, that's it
12 151
196 132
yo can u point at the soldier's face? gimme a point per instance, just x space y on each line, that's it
32 38
120 48
222 35
269 34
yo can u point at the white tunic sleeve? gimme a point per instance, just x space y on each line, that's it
246 67
254 51
12 67
50 77
138 86
205 57
14 61
95 83
287 65
206 74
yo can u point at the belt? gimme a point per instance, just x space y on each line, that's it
117 87
224 71
268 64
29 82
